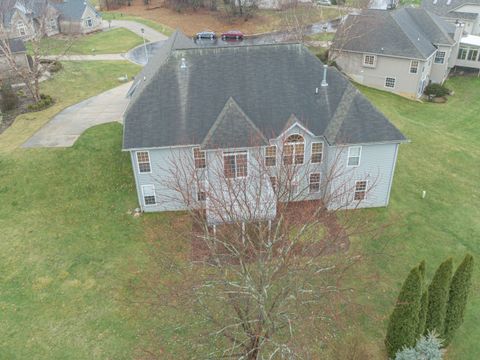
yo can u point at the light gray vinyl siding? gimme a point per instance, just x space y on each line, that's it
377 166
160 177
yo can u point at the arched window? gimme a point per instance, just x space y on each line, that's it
294 150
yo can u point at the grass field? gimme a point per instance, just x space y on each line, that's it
114 41
442 159
70 251
77 81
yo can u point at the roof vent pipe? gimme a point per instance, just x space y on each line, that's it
183 63
324 81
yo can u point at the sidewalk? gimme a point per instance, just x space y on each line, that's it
151 35
99 57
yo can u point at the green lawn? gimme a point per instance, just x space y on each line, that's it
71 257
443 159
77 81
112 15
113 41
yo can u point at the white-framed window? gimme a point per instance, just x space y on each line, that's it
21 28
200 158
294 150
314 183
89 22
439 57
354 154
360 190
462 53
273 181
390 82
271 155
143 161
149 198
413 66
369 60
235 164
317 152
472 54
294 186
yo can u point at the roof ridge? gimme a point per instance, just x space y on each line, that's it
341 111
414 43
220 118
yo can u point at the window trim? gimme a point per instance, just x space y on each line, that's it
367 64
290 143
412 67
394 82
21 28
195 159
149 162
235 153
274 156
359 155
89 22
472 50
312 152
441 58
355 191
154 195
464 51
310 183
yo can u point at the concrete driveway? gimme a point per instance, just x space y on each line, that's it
150 34
67 126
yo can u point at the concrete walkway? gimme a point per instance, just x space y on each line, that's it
151 35
67 126
99 57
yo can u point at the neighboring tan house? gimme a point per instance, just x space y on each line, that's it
77 17
226 108
464 11
24 18
18 50
400 51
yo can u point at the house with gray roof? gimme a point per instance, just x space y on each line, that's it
16 49
400 51
25 18
248 103
77 17
453 11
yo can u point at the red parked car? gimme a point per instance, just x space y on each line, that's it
232 34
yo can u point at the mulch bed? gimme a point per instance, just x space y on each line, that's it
335 238
9 117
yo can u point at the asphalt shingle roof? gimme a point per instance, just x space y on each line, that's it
447 7
72 9
405 32
16 46
185 93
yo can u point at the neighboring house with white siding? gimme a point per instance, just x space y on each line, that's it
77 17
226 109
400 51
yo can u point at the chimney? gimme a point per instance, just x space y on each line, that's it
324 81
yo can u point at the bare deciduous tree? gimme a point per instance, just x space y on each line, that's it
267 262
39 49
